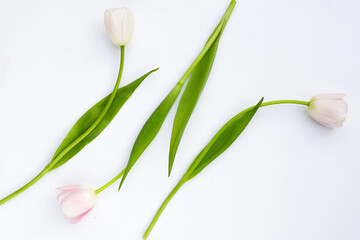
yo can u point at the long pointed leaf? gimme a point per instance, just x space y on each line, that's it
193 91
190 98
154 123
222 140
218 144
151 128
122 95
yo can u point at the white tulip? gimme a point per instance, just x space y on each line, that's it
328 109
119 24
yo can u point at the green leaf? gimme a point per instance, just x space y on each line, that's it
190 98
218 144
222 140
194 88
154 123
122 95
151 128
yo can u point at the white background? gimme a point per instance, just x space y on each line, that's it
286 177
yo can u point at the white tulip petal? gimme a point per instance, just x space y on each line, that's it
328 96
328 109
119 25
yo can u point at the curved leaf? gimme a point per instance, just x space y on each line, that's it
190 98
122 95
193 90
222 140
217 145
154 123
151 128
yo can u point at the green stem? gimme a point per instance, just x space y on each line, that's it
49 167
283 102
274 103
197 161
101 116
209 43
26 186
162 207
110 182
193 166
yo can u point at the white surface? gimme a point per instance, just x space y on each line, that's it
285 178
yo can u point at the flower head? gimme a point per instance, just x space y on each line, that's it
119 24
328 109
76 201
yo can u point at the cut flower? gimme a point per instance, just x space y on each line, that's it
328 109
119 24
76 201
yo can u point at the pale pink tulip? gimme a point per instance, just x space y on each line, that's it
328 109
76 201
119 24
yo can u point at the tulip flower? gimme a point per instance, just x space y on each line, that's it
76 201
328 109
119 25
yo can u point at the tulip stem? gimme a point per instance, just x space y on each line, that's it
162 207
110 182
101 116
217 31
185 178
52 165
285 102
26 186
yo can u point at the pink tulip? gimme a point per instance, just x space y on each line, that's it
76 201
328 109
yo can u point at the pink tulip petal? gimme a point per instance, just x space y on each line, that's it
76 201
71 187
77 219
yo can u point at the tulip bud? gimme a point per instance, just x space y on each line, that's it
76 201
328 109
119 24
